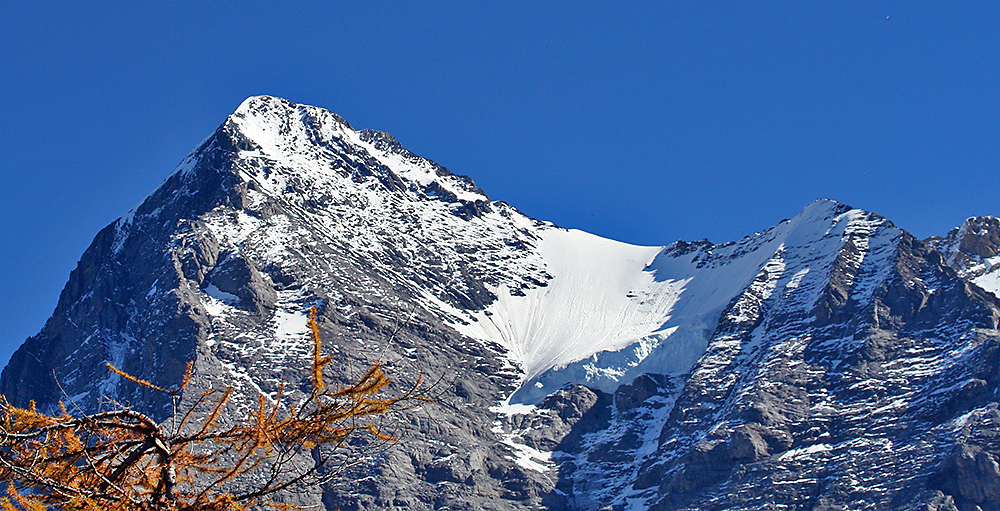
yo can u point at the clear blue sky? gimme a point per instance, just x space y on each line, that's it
644 123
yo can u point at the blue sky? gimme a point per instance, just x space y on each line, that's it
645 122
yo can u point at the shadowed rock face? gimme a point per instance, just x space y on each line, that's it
971 475
851 366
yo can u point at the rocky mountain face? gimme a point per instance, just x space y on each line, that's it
973 250
832 361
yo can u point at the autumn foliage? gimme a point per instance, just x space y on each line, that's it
121 459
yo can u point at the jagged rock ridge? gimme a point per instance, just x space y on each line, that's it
973 249
831 361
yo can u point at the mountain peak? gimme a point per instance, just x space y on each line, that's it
978 237
823 208
576 372
277 126
316 141
265 106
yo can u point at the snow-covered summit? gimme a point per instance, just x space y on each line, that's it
270 128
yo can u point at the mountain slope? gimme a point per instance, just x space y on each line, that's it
830 358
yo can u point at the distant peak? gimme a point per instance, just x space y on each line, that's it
259 106
982 224
276 126
279 130
978 237
824 207
254 102
272 108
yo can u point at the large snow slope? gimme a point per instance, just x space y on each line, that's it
613 311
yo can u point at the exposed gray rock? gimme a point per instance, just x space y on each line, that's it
637 393
562 419
971 475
